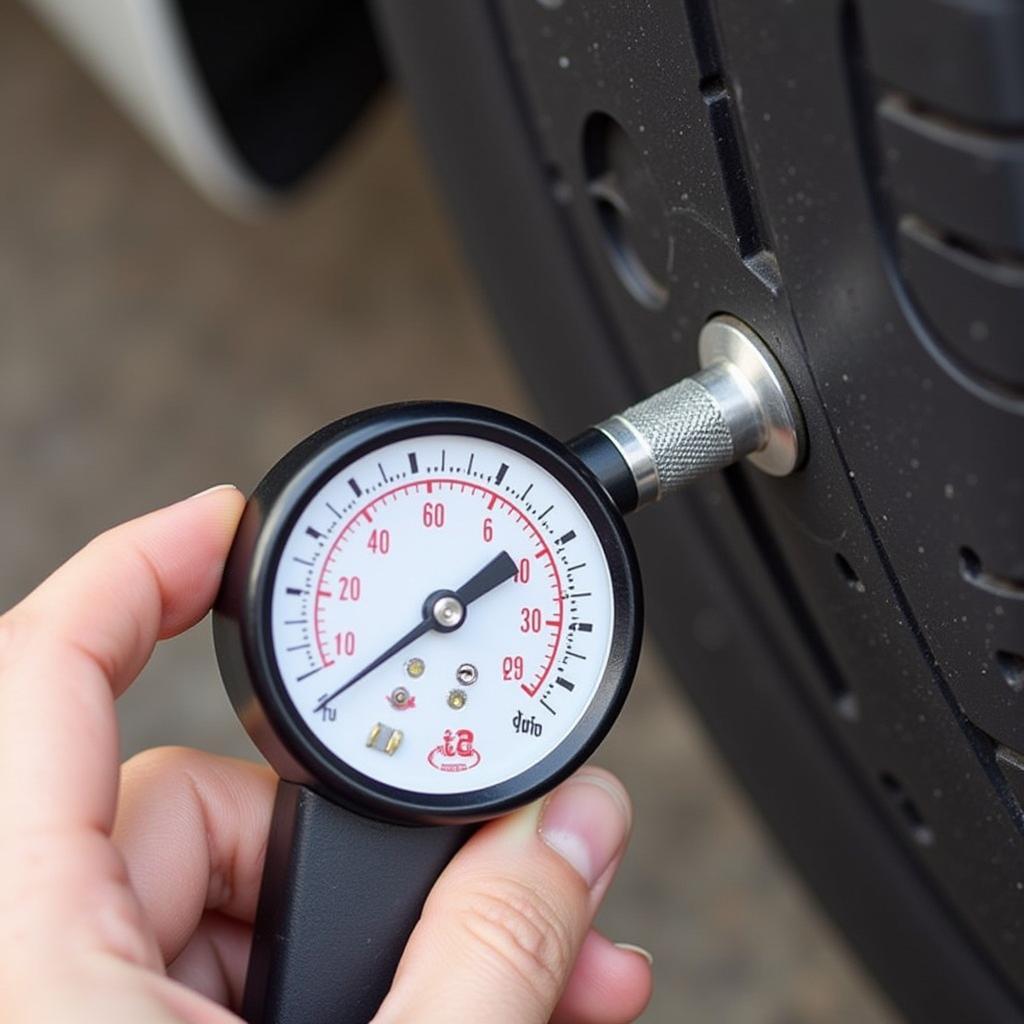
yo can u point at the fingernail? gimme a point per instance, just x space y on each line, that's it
585 821
639 950
210 490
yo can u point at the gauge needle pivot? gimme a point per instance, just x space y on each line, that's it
444 611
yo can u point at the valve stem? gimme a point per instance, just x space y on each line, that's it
739 405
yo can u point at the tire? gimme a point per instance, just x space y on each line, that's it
853 637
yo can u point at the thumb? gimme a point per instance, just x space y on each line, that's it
503 926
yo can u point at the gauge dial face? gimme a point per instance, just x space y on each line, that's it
442 614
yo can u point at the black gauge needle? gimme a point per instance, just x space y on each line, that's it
493 574
444 610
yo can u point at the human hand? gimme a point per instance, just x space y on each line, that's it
128 896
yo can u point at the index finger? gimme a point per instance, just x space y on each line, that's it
79 640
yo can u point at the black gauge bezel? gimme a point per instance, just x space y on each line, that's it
241 619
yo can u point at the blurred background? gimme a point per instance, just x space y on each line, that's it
153 346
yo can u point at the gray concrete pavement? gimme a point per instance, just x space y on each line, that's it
152 346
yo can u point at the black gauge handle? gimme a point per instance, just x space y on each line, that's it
340 896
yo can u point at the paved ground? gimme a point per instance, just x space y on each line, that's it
152 346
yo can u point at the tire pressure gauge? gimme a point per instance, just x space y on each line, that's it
431 615
441 614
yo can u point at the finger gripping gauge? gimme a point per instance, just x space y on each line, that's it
431 615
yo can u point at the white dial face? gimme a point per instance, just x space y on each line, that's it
442 614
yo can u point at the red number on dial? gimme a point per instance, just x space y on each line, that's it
433 514
379 542
531 620
512 668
